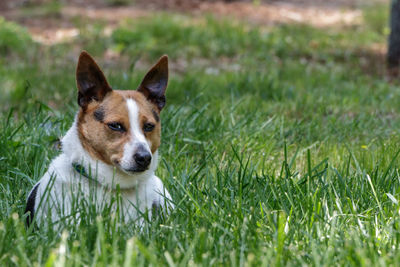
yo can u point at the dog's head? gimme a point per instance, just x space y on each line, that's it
120 128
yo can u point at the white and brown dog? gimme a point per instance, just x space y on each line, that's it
111 147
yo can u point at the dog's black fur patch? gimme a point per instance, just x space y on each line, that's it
99 114
30 206
156 117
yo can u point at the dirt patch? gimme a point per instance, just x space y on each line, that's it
60 26
285 12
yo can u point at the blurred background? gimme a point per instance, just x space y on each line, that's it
40 40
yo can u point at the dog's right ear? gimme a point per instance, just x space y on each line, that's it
91 82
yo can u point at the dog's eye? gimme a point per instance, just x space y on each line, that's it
115 126
148 127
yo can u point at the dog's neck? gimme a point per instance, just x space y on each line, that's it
107 175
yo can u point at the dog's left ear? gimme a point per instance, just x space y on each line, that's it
91 82
155 83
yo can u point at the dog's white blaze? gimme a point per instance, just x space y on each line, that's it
137 137
133 112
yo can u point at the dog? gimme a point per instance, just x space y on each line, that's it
111 148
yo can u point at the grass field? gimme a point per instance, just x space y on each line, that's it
280 145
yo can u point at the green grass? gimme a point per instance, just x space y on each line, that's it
278 148
46 9
13 38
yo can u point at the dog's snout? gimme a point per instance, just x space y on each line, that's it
142 158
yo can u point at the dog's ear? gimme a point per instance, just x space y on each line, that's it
155 83
92 85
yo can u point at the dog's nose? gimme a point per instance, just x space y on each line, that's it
142 158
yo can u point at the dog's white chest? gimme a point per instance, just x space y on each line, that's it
64 193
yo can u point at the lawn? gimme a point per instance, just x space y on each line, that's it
280 144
